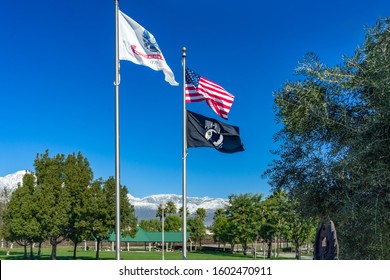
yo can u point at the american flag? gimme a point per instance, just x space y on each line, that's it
199 88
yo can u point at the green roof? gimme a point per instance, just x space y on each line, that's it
143 236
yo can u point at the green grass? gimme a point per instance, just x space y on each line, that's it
66 253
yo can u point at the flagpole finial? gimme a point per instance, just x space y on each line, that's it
184 49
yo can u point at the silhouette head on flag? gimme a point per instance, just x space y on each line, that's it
208 132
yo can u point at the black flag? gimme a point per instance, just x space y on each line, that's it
208 132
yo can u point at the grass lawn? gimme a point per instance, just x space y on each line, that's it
66 253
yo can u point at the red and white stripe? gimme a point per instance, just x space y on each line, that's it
215 96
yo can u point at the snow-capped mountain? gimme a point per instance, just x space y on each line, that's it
11 180
146 208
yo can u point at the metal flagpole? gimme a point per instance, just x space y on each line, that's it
117 161
184 182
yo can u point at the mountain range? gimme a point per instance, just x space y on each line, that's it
146 207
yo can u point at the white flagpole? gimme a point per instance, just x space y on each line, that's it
117 161
184 178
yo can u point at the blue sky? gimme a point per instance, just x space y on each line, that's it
57 73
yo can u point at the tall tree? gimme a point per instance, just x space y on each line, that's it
301 228
5 197
100 214
243 213
278 214
129 220
54 199
20 217
77 179
181 212
335 152
197 229
269 226
201 213
220 227
171 208
102 211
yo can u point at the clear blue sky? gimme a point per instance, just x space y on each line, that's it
57 73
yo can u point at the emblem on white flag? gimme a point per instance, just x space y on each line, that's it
139 46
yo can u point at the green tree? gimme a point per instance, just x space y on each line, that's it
301 228
171 208
201 213
20 216
243 212
153 225
280 207
102 211
54 199
197 228
335 152
220 227
269 227
100 214
5 197
172 223
181 212
77 178
129 220
159 212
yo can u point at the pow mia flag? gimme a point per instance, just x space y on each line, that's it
208 132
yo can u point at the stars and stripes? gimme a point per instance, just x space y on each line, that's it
199 88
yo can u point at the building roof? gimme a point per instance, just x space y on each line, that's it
143 236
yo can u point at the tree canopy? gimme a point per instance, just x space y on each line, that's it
334 156
61 202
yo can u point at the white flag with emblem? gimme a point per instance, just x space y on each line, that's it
137 45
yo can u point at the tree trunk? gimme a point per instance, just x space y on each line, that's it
232 247
297 252
97 249
53 251
25 251
244 249
8 245
31 251
74 250
39 249
269 249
